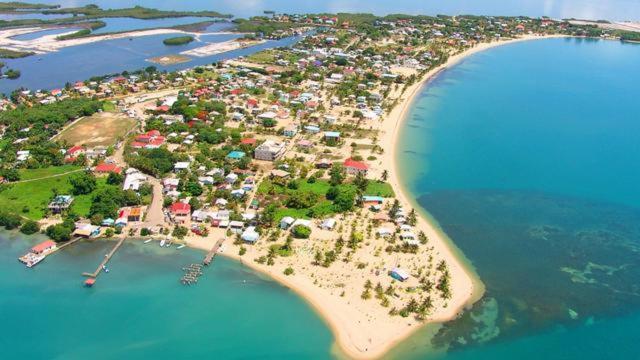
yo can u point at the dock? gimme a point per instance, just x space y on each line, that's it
212 253
105 260
72 241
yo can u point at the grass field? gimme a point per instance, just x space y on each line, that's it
102 129
29 174
30 199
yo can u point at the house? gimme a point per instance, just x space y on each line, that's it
328 224
312 129
60 203
181 165
304 144
44 247
354 167
280 174
368 200
105 168
86 230
332 135
290 131
236 226
269 150
135 214
170 184
399 274
323 164
180 211
231 178
22 155
133 181
248 141
384 232
286 222
75 151
250 235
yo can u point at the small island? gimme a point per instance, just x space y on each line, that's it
178 40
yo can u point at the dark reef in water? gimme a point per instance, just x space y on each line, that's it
546 260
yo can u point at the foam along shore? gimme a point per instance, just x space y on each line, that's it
217 48
363 329
50 43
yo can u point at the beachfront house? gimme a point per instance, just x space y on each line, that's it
286 222
354 167
399 274
180 212
250 235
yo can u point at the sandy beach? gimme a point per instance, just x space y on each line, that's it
49 43
217 48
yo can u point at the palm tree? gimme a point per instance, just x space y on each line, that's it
385 175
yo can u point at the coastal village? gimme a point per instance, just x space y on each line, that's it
283 159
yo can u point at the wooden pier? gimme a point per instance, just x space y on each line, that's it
72 241
105 260
212 253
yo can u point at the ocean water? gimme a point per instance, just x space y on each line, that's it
529 163
139 310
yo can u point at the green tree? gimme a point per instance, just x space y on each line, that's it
30 227
337 174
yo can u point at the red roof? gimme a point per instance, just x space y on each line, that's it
137 145
248 141
350 163
43 246
153 133
159 140
105 168
163 108
180 208
74 150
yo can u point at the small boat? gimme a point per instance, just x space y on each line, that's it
89 282
169 243
148 241
181 246
106 270
162 243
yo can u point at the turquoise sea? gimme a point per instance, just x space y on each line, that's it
139 310
529 162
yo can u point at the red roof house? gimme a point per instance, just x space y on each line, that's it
105 168
180 209
354 167
248 141
43 247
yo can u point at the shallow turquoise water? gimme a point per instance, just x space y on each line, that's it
529 162
140 311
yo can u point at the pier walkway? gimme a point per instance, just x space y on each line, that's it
106 259
212 253
72 241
